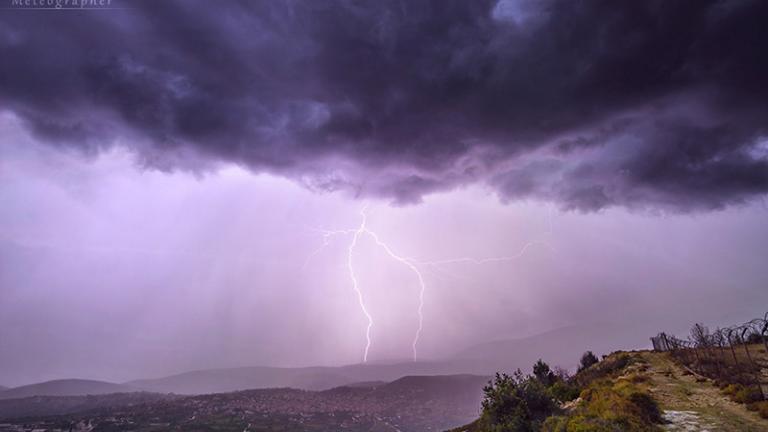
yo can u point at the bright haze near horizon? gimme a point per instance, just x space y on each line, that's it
181 183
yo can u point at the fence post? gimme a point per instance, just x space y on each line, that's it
680 349
733 351
763 334
698 362
746 349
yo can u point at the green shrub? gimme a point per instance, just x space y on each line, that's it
562 391
748 395
587 360
743 394
515 403
543 373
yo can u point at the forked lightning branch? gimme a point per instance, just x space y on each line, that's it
412 265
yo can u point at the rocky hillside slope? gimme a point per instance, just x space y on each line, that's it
650 391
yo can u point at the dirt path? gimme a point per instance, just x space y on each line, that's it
693 406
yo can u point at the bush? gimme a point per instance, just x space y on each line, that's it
743 394
562 391
648 409
612 366
515 403
543 373
748 395
760 407
587 360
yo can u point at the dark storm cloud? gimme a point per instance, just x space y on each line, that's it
592 104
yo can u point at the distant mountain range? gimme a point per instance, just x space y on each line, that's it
66 387
560 347
307 378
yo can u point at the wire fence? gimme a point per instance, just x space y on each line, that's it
736 354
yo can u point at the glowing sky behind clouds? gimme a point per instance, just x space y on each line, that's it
114 272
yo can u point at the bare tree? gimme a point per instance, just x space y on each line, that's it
700 336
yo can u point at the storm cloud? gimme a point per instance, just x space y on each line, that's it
592 104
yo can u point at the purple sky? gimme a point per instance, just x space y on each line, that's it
167 170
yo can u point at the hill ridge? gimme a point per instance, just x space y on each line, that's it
65 387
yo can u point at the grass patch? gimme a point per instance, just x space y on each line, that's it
610 406
685 391
743 394
614 398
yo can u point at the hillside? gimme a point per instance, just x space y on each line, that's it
308 378
235 379
435 384
409 404
562 346
65 387
648 391
628 391
43 406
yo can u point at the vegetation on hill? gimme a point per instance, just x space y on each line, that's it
604 395
711 381
515 403
614 397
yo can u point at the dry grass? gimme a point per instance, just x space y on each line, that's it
616 397
760 407
679 392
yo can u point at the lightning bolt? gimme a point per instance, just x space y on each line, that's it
422 286
362 230
488 259
412 265
497 259
351 268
